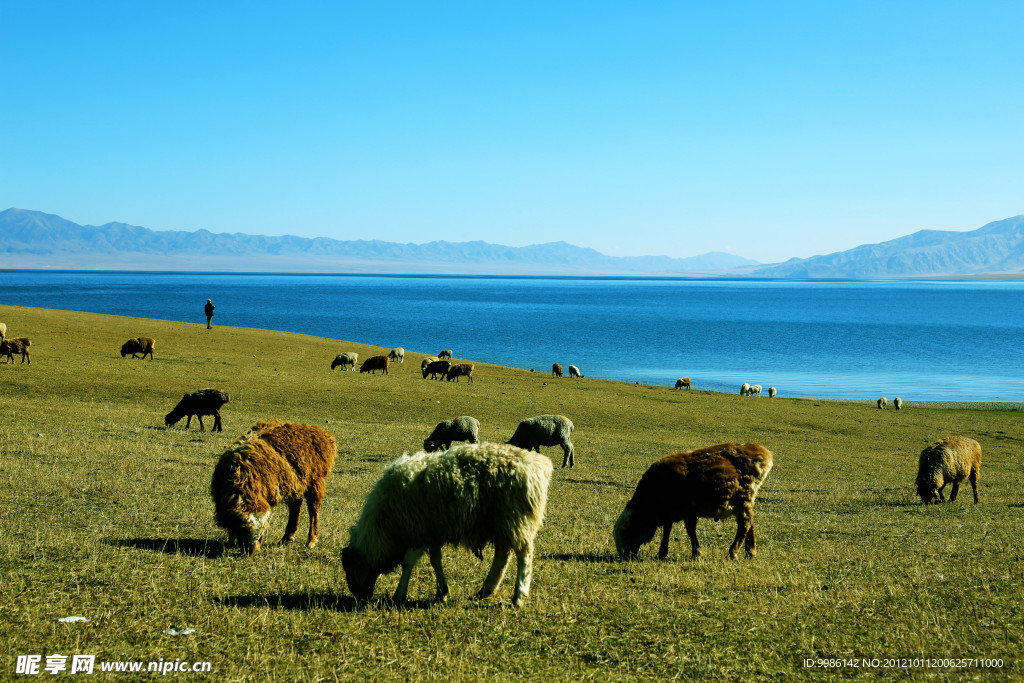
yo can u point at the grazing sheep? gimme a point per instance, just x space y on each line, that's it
755 390
437 369
274 462
3 331
683 382
556 369
546 430
897 403
772 392
460 370
9 347
710 482
951 460
373 364
574 371
143 345
447 353
349 358
460 429
744 389
199 403
397 354
468 496
426 361
882 403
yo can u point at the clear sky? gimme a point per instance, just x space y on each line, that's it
765 129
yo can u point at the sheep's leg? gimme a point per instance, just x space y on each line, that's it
442 582
666 530
314 496
408 562
294 509
202 427
750 543
570 454
691 531
216 422
954 491
524 573
188 421
497 572
744 522
974 484
941 496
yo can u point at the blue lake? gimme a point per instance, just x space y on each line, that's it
919 339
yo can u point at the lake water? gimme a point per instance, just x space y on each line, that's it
919 339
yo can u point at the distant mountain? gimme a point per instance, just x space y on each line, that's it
996 248
38 240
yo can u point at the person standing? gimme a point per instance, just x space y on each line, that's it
209 313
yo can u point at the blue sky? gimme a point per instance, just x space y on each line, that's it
768 130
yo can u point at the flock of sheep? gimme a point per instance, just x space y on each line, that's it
435 367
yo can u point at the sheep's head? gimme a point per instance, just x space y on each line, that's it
928 491
632 530
429 446
359 575
245 528
126 348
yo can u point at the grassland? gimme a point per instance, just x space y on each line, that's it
107 515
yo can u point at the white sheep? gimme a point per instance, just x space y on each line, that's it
468 496
744 389
772 392
463 428
882 403
397 354
897 403
755 390
350 358
951 460
3 331
574 371
546 430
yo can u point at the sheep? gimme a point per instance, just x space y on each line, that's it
708 482
3 331
683 382
199 403
556 369
744 389
574 371
437 368
951 460
274 462
373 364
897 403
9 347
772 392
459 429
397 354
755 390
882 403
469 496
546 430
349 358
426 361
460 370
143 345
447 353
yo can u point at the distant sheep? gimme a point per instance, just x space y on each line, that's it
274 462
755 390
574 371
426 361
199 403
882 403
711 482
397 354
437 369
373 364
683 383
3 331
143 345
459 429
949 461
546 430
772 392
447 353
349 358
9 347
744 389
460 370
897 403
468 496
556 369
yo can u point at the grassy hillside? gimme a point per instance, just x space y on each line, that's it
107 515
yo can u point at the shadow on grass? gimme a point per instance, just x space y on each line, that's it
303 602
581 557
193 547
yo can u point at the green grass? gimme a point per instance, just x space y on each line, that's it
107 515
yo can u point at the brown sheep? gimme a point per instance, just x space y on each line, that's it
274 462
199 403
9 347
373 364
460 370
710 482
683 383
143 345
436 369
556 369
447 353
949 461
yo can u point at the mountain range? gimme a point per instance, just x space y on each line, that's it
32 239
